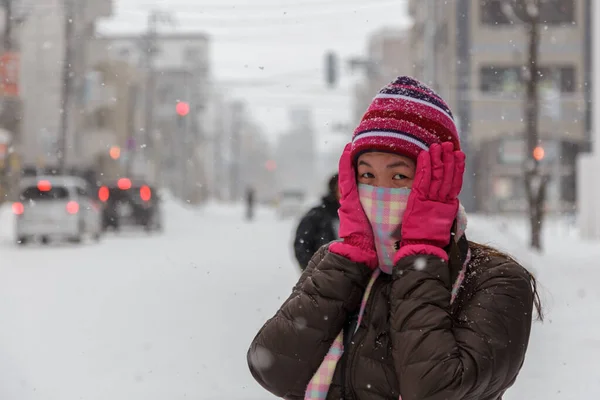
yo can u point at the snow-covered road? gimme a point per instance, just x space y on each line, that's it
170 317
139 317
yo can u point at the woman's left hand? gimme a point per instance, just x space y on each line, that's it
433 201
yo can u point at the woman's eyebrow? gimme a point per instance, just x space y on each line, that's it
364 163
398 164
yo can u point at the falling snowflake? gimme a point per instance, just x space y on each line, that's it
420 263
261 358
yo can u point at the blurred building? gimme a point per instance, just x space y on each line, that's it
588 190
42 45
171 148
296 154
258 165
217 144
388 56
472 53
113 117
241 154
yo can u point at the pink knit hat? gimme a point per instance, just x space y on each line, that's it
405 118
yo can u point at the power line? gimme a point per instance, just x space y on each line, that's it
258 21
186 7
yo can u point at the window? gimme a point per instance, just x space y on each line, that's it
509 79
35 194
491 13
562 78
500 79
552 12
192 54
558 12
82 192
567 79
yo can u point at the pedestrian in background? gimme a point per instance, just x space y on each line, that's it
250 203
318 226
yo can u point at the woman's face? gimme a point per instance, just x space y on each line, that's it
385 170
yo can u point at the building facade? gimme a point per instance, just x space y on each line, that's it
169 144
296 154
472 52
42 45
387 57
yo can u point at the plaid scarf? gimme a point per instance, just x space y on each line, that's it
382 205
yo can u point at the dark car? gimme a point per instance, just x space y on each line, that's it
130 203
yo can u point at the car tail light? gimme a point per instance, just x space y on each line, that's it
124 184
103 194
18 208
44 186
145 193
72 207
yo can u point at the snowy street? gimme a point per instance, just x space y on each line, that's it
143 317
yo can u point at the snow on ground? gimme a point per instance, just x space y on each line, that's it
141 317
562 360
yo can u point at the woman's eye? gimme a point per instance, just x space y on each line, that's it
399 177
367 175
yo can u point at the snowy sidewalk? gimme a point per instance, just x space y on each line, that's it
562 361
143 317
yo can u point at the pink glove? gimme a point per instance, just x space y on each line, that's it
433 202
358 244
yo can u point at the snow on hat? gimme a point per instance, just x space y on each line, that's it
405 118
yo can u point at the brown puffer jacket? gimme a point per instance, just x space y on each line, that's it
411 342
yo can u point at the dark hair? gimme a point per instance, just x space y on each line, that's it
332 185
537 302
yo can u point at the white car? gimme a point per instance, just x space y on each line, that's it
56 208
291 204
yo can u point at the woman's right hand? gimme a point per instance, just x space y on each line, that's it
358 244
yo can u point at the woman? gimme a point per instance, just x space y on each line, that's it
403 306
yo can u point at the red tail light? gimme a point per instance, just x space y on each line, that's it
18 208
124 184
103 194
44 186
145 193
72 207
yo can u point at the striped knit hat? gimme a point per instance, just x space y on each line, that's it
404 118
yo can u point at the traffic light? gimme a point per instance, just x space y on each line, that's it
182 108
115 152
538 153
331 69
271 165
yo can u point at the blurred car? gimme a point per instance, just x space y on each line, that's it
290 203
56 207
130 203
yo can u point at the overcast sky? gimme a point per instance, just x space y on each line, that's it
278 46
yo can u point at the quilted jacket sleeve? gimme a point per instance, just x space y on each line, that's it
289 348
476 355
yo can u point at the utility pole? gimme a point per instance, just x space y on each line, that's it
430 33
536 181
8 15
78 74
150 49
8 118
66 85
236 124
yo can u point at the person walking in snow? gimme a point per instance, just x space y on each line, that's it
250 203
403 306
318 226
